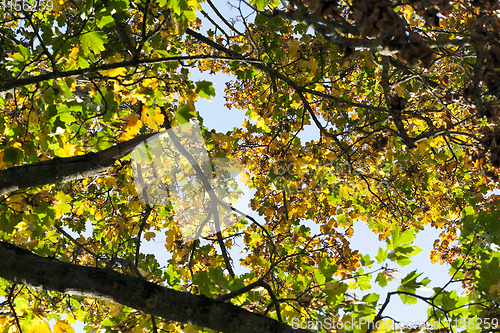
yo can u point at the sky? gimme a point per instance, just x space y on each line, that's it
217 116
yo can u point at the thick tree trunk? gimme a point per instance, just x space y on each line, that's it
23 267
65 169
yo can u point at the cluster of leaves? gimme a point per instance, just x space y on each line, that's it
404 96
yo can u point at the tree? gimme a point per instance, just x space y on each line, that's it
404 94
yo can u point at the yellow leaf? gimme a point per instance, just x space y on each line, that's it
32 244
115 309
495 287
63 327
110 181
57 5
150 82
262 123
63 207
400 89
116 71
41 327
143 272
313 65
352 285
70 318
369 62
73 56
120 71
434 257
154 122
78 210
149 235
132 127
68 149
16 202
319 87
62 197
116 58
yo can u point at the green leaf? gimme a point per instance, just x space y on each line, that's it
366 261
93 41
409 284
66 117
22 55
408 299
202 280
381 280
184 113
454 268
364 282
410 280
450 300
12 155
337 289
468 211
320 278
217 275
381 255
260 4
205 89
399 239
108 322
489 274
371 298
103 19
403 261
327 268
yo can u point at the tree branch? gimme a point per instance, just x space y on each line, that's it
23 267
15 83
66 169
206 185
274 73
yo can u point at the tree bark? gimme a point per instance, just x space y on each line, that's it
23 267
65 169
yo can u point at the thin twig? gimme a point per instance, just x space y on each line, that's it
11 306
145 217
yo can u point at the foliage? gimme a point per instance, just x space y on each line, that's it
403 93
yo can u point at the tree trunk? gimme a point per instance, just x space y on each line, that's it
65 169
23 267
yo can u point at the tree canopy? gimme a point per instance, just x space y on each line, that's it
404 94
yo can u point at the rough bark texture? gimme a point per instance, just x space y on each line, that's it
23 267
65 169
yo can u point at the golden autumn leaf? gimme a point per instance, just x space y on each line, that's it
383 116
57 5
153 121
40 327
68 149
63 327
495 287
132 126
120 71
115 309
